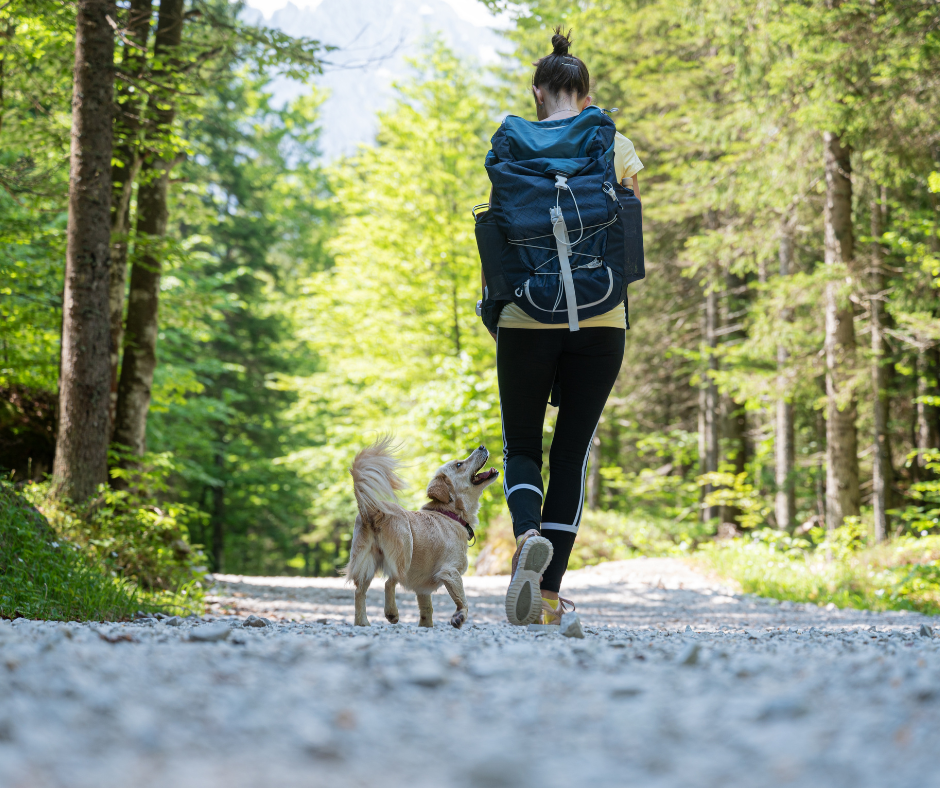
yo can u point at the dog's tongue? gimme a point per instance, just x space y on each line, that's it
479 478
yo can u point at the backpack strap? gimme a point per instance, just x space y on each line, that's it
562 242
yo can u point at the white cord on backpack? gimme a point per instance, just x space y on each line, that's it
561 183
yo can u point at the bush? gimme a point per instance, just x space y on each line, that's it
42 576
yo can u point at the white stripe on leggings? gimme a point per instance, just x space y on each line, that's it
572 529
587 454
523 487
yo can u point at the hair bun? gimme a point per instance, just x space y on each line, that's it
560 42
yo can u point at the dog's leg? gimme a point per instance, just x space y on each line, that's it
391 607
362 586
453 582
425 611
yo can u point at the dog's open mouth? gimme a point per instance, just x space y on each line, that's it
483 476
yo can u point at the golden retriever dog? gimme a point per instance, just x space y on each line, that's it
421 550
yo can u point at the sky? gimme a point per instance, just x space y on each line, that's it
471 11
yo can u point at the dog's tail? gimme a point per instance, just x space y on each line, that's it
375 480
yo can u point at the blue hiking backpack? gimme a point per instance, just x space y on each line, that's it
561 237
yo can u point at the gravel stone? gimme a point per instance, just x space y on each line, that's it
210 633
571 626
690 654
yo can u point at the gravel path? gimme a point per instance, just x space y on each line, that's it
753 694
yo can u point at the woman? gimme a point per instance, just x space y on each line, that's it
530 357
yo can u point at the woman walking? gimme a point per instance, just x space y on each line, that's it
581 364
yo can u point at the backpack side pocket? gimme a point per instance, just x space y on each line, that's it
493 248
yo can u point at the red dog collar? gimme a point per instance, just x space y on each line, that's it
471 537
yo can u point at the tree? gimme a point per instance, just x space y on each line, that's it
140 351
127 130
882 470
82 441
784 446
842 492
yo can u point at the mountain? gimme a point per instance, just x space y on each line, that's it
375 37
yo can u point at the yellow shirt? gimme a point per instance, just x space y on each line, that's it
626 165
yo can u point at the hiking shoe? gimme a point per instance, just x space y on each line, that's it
523 599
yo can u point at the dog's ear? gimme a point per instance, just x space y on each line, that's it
441 489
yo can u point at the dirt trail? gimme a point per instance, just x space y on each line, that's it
679 682
645 592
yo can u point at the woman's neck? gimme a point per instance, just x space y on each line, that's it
560 114
558 108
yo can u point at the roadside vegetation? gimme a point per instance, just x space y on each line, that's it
839 567
117 554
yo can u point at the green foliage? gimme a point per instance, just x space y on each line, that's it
734 490
248 225
44 576
836 567
921 516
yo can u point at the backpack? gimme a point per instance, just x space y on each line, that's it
561 237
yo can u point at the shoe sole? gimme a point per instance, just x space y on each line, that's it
524 597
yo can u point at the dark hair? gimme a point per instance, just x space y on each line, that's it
560 72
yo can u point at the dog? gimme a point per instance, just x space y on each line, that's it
420 550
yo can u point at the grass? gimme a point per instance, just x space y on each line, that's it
44 576
841 569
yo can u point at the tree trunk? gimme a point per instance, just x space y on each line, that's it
82 445
218 515
140 351
711 401
734 416
820 464
784 444
882 470
125 166
842 491
927 437
702 443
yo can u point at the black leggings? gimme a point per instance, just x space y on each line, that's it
587 363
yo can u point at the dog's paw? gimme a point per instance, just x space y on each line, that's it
364 623
392 618
458 619
425 622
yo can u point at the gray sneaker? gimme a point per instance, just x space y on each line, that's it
524 597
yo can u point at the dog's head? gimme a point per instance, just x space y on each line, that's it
458 484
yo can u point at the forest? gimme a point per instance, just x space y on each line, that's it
206 321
